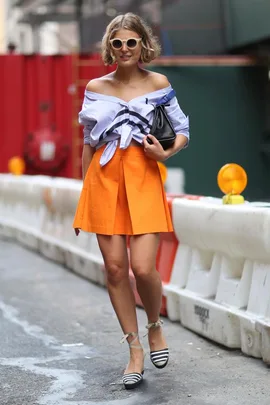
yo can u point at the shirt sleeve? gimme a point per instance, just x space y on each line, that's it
179 120
86 133
86 120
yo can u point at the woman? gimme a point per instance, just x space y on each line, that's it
122 190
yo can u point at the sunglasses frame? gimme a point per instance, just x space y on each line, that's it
138 40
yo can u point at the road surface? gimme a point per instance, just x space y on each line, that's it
60 346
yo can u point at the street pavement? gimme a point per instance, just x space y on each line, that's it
60 346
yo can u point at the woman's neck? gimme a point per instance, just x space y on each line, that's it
129 74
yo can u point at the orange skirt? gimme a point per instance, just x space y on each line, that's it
124 197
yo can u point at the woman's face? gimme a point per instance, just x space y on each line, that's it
126 47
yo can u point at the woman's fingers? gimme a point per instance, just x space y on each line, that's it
153 139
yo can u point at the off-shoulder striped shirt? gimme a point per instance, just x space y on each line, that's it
109 119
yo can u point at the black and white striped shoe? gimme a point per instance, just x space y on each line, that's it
159 358
132 380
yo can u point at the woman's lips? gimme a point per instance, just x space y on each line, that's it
125 57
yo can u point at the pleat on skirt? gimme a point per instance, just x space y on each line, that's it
124 197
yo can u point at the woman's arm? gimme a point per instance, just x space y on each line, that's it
155 150
180 143
87 155
178 120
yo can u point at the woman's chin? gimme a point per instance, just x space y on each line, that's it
126 62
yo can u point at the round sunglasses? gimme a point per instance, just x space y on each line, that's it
118 43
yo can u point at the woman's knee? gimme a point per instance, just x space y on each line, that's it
116 271
143 271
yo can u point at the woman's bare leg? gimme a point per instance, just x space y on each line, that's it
114 252
143 251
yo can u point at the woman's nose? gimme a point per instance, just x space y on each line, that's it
124 47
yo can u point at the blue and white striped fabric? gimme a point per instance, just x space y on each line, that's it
108 119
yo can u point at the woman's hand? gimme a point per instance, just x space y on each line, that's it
154 151
77 231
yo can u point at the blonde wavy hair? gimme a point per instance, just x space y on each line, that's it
132 22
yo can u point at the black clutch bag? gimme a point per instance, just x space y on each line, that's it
162 128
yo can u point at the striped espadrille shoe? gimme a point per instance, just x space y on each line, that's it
159 358
132 380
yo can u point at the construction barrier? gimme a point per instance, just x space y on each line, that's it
215 267
38 211
220 280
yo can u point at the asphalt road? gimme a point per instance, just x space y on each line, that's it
60 346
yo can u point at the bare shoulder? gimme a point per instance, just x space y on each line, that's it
94 85
100 84
159 81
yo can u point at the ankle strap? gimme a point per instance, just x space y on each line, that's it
127 335
153 325
124 338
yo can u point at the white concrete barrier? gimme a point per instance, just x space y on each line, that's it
220 281
38 212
